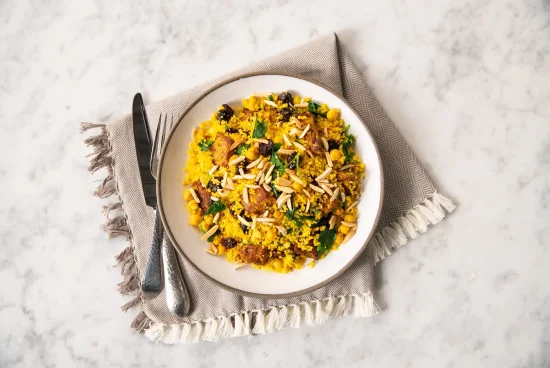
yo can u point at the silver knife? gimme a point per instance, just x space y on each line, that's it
151 282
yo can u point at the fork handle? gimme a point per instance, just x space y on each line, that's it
151 282
177 296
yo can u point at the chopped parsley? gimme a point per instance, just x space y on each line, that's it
297 160
314 109
279 165
259 129
326 239
348 141
205 144
275 191
242 148
215 207
270 97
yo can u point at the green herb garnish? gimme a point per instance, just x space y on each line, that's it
326 239
313 108
215 207
276 146
297 159
270 98
242 148
211 238
348 141
275 191
205 144
259 129
279 165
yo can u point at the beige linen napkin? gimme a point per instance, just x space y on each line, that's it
411 203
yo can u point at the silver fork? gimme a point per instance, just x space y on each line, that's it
177 295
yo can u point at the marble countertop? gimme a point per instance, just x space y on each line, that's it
467 83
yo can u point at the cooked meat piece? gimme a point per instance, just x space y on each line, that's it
346 179
286 113
333 145
327 206
203 194
254 254
308 253
221 149
229 243
258 202
225 113
266 148
246 114
286 97
313 141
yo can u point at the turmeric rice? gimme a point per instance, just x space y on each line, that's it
274 182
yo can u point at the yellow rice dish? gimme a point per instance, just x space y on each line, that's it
274 182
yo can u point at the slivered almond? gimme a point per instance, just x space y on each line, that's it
329 160
261 140
216 218
241 171
230 184
324 181
316 188
262 180
239 266
295 120
348 224
254 163
324 175
325 143
334 195
195 196
210 232
327 189
343 196
282 230
251 186
236 144
268 180
282 199
194 133
266 213
352 205
262 163
237 177
248 176
287 141
245 194
299 146
326 132
253 223
306 193
345 167
289 203
301 105
285 151
210 251
283 181
223 193
266 187
224 180
265 219
243 221
309 153
297 179
349 236
307 206
270 103
302 100
215 199
213 248
294 131
259 175
288 171
237 160
332 222
213 169
268 173
304 132
330 185
284 189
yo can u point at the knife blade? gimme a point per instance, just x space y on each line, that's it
142 139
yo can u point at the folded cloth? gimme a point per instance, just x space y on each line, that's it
411 203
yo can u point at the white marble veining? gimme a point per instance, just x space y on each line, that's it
467 83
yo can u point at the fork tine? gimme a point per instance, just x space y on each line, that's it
154 150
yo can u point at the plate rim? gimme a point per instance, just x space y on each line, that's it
167 231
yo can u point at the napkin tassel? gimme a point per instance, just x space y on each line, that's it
430 212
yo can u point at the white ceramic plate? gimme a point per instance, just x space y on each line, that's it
247 280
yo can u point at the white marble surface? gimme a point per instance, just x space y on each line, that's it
467 83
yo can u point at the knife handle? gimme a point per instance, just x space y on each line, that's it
177 296
151 282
